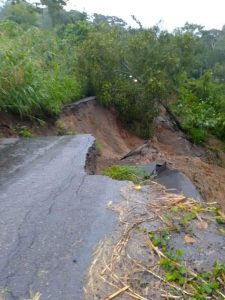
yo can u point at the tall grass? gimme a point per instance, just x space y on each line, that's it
35 79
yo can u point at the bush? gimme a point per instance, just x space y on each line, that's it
23 131
125 72
201 108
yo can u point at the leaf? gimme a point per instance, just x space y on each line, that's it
202 225
179 252
188 239
172 276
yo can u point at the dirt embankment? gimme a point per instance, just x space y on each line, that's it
113 140
168 144
12 126
201 166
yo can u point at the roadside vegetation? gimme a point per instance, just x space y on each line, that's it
50 56
132 173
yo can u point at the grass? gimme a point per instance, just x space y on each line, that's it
201 285
126 172
35 80
197 135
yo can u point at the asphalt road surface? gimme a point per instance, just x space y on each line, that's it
52 215
173 180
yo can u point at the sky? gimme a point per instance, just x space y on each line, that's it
173 13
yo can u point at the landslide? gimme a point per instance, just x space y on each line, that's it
112 139
169 145
205 168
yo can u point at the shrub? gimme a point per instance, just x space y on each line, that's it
201 108
23 131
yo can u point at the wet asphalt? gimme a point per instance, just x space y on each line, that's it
52 216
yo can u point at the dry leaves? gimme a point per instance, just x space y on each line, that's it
202 225
188 239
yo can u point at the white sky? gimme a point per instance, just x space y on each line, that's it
173 13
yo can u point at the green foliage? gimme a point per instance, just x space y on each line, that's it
161 239
220 220
55 8
20 12
125 72
202 284
197 135
187 217
126 172
176 269
132 70
201 107
34 78
23 131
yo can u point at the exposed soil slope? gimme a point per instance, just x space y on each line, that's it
169 144
113 139
11 124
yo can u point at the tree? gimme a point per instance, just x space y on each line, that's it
20 12
55 8
108 20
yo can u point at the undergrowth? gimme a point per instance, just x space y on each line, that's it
23 131
201 107
35 80
126 172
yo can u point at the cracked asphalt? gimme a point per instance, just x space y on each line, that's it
52 216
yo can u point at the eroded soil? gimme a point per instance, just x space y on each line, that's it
204 165
196 162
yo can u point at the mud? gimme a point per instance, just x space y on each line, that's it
90 117
171 146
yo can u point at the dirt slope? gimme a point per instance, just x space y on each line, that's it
112 138
171 145
168 144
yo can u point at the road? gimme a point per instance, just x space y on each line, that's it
52 216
